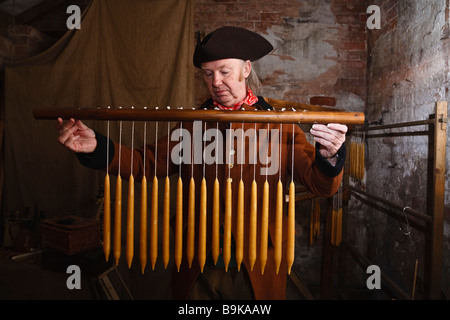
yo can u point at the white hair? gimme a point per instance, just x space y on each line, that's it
252 82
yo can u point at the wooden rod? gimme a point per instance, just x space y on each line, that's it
406 209
365 262
400 125
273 116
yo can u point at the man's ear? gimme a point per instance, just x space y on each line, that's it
246 69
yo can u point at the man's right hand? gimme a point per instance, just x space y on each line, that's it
76 136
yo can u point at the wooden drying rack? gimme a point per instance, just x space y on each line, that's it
433 217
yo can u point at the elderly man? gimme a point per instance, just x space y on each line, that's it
225 57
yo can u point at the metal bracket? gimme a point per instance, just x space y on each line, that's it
443 121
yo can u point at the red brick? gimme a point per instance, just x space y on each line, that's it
391 25
355 36
352 54
352 19
389 15
361 27
253 16
353 73
245 24
355 86
357 46
353 64
263 25
350 8
389 4
323 101
337 2
206 7
266 16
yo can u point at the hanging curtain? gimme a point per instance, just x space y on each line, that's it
127 53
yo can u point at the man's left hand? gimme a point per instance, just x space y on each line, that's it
330 137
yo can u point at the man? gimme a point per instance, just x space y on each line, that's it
225 57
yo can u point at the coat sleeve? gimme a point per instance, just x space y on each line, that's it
97 159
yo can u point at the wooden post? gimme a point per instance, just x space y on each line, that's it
326 292
440 139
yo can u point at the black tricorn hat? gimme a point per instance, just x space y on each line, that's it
231 42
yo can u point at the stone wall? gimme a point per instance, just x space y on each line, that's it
407 75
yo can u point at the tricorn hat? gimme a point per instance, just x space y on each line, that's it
231 42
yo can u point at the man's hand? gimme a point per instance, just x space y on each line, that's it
76 136
330 137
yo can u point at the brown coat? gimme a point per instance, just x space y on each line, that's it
306 173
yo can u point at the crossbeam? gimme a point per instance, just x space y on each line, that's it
272 116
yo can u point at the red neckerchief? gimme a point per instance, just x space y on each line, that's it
249 100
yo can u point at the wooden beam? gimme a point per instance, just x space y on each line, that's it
437 224
327 281
301 286
274 116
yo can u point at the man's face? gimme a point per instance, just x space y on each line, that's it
225 80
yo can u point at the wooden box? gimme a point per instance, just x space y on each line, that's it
70 234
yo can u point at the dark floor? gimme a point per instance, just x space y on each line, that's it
28 280
44 277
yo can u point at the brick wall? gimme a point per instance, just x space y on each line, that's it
22 41
320 47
